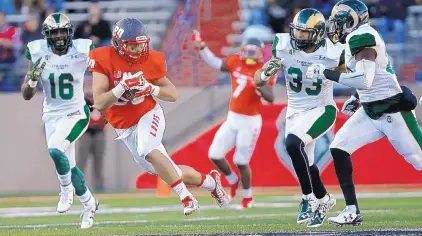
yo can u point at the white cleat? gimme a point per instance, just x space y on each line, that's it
66 199
220 196
88 214
190 205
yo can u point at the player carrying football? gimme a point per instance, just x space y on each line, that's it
243 123
59 63
386 106
128 77
311 110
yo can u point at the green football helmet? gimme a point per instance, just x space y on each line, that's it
346 16
58 31
307 29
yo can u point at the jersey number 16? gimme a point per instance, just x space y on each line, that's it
64 86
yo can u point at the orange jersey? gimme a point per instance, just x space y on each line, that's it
244 99
125 114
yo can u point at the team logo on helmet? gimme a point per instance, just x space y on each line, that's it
346 16
57 29
130 40
307 29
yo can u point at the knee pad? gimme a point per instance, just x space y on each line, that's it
293 145
215 153
242 155
60 161
78 181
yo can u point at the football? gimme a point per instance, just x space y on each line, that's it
129 95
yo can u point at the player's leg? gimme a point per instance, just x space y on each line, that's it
402 130
223 141
302 130
210 182
62 169
67 132
153 157
358 131
248 133
326 201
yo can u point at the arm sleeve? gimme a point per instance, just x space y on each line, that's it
360 41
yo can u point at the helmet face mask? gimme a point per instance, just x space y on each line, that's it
252 51
346 16
307 29
58 31
130 40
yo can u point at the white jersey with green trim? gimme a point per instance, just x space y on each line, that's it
385 83
302 93
62 79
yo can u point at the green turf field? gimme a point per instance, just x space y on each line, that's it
148 215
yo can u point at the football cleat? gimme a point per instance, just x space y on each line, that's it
89 213
66 199
190 205
346 217
233 189
322 210
220 196
247 202
306 210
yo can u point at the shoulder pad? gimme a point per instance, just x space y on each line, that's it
36 49
83 45
281 41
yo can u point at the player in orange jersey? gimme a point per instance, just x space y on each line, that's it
128 77
244 122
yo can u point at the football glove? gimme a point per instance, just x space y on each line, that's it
89 104
37 70
197 40
350 106
148 89
271 67
315 72
132 82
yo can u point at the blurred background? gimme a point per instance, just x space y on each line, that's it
204 93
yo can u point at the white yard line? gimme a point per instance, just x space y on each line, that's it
359 195
51 211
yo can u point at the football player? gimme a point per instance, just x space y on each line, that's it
387 108
243 123
58 62
311 110
128 78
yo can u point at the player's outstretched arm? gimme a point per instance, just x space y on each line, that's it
167 91
270 68
29 86
364 75
206 54
103 98
267 93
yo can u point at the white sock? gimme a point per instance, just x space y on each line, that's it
351 208
231 178
247 193
208 183
65 180
180 189
86 198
